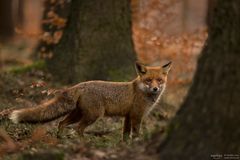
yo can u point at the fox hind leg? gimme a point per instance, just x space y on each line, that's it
71 118
88 118
84 123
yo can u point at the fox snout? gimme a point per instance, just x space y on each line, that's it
157 89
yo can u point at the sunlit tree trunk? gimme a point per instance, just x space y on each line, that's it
208 121
97 42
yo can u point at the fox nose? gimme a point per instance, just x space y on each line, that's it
155 89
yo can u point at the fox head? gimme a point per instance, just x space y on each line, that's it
152 80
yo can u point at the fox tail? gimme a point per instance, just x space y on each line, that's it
45 112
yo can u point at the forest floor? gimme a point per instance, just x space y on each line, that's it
29 85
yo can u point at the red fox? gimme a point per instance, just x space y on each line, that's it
87 101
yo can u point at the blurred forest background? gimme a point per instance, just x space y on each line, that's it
50 44
162 30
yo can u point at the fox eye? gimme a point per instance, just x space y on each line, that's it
148 80
160 80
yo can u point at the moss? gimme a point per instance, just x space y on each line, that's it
106 141
147 135
172 127
46 155
23 69
120 75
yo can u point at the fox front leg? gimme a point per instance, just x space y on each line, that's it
136 124
126 128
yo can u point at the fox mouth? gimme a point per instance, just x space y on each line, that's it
155 92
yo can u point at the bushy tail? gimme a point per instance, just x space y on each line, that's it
45 112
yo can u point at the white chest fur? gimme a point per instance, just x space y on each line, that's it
157 102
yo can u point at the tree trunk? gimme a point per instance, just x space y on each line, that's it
6 20
208 121
97 42
20 13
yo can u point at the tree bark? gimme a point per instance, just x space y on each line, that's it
20 13
6 20
208 121
96 43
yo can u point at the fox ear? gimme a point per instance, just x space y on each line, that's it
140 68
166 68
